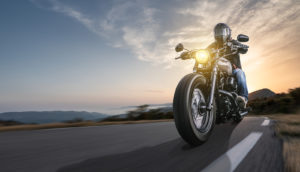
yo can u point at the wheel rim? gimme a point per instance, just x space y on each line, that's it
201 120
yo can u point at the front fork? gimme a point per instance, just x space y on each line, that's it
213 88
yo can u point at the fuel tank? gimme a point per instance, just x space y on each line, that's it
225 66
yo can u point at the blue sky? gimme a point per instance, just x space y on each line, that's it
96 55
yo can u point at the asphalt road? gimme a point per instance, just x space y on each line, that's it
248 146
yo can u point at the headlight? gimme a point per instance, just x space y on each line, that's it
202 56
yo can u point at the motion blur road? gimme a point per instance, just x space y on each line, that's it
248 146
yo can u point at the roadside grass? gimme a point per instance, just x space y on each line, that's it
291 153
287 127
74 124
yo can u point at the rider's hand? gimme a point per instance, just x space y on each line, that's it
234 66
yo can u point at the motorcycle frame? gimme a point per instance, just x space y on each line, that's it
214 75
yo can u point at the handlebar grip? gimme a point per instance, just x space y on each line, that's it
240 46
184 56
243 45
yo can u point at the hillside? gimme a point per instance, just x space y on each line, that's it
278 103
50 116
144 112
260 94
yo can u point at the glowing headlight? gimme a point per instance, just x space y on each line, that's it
202 56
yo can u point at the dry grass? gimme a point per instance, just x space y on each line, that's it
291 154
288 128
78 124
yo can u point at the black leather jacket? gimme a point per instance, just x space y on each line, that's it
234 59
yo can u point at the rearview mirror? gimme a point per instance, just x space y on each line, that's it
179 47
242 38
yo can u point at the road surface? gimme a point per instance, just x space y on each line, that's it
249 146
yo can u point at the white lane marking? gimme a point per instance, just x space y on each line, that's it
266 122
232 158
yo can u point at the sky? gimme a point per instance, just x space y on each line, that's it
101 55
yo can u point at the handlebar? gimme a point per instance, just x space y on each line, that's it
235 49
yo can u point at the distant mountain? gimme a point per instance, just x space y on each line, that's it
150 106
259 94
50 116
151 111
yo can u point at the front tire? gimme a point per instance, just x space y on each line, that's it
193 125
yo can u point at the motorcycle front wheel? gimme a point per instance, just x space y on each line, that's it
193 123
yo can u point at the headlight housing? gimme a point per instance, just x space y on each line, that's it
202 56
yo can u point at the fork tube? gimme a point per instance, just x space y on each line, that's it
195 69
213 86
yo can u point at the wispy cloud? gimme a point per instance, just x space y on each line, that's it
151 29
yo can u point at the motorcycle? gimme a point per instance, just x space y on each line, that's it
208 95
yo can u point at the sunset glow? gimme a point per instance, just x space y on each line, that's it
72 55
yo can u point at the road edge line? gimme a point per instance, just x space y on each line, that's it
234 156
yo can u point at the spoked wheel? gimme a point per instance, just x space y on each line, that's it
201 118
193 122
